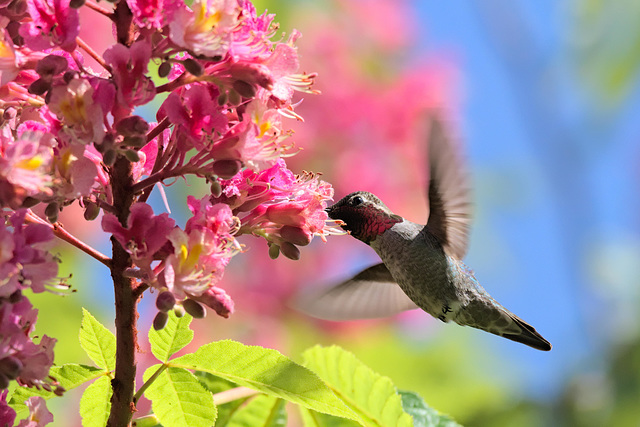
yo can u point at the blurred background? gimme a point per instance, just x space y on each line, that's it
544 96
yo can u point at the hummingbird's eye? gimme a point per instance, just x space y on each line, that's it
357 200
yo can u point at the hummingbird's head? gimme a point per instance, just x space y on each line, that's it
363 215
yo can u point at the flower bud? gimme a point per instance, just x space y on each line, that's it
51 65
295 235
76 4
10 367
132 156
91 210
4 382
165 301
290 251
178 310
15 297
193 67
222 98
51 212
39 87
109 157
29 202
245 89
164 69
160 321
132 126
234 97
216 188
274 250
194 308
226 169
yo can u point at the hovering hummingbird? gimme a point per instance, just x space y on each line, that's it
421 264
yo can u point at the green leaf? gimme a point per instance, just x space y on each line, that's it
261 411
267 371
316 419
178 398
172 338
423 415
98 342
95 403
68 376
217 385
370 395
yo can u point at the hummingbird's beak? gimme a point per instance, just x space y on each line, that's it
329 211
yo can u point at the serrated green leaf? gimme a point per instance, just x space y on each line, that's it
370 395
178 398
95 403
423 415
261 411
98 342
172 338
68 376
267 371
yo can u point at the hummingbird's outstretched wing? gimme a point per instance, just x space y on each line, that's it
370 294
449 192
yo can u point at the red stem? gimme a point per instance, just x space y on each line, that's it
61 233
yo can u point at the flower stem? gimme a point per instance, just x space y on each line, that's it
147 383
61 233
233 394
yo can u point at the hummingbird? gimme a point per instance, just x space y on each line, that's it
421 264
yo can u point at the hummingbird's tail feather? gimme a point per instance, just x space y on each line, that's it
528 335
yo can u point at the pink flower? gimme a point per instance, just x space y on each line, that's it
196 114
9 59
39 415
251 38
129 65
205 28
196 264
144 235
25 166
152 13
20 357
7 414
75 172
25 257
81 117
54 25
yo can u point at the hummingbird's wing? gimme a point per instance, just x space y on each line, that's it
449 192
370 294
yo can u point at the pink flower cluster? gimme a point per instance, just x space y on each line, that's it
25 263
229 88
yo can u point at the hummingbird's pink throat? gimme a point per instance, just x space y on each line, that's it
372 226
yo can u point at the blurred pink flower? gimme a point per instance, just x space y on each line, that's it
39 415
54 24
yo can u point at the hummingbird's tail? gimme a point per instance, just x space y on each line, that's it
528 335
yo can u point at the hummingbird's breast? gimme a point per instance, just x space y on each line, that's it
418 263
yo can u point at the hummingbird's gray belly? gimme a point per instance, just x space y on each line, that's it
421 268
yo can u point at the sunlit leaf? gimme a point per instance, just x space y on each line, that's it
261 411
98 342
423 415
370 395
95 403
267 371
178 398
172 338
